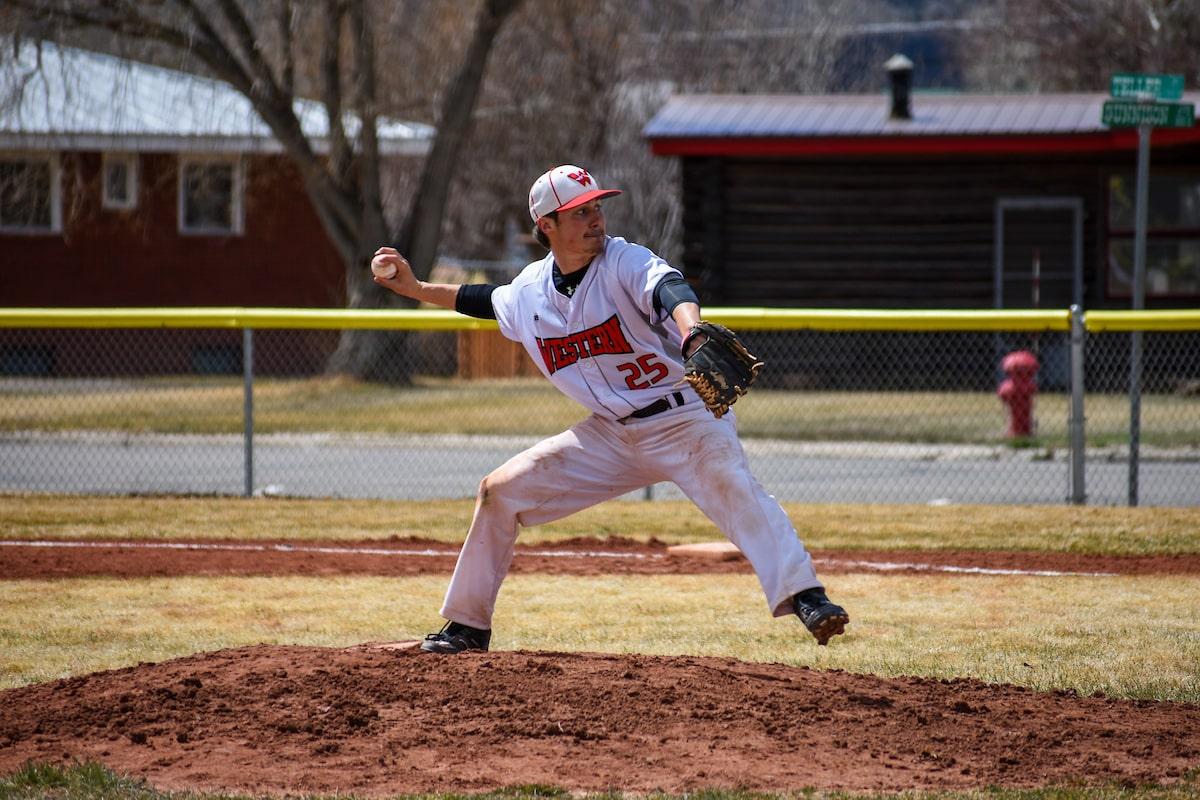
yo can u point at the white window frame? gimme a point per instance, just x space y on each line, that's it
131 181
55 195
236 205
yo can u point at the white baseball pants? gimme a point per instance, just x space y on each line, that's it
600 459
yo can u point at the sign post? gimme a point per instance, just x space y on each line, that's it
1136 104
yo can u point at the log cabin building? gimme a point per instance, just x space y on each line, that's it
841 201
926 201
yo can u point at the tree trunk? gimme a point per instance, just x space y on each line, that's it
385 355
371 354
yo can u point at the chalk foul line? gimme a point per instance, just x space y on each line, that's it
890 566
292 548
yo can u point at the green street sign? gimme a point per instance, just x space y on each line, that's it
1132 85
1124 114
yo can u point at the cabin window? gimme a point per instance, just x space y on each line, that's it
1172 235
120 177
30 197
210 196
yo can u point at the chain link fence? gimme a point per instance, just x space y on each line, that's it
840 414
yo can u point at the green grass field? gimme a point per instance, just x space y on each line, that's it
1065 529
1128 637
93 782
446 406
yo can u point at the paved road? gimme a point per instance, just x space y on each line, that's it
451 466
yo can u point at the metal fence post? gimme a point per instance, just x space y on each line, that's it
248 408
1139 303
1076 424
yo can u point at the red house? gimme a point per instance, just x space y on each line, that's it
123 184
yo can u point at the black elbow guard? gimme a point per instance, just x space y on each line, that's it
671 291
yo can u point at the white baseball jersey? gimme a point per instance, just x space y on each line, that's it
605 346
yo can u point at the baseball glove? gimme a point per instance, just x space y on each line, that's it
721 369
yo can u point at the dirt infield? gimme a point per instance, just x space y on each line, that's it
581 556
382 718
375 721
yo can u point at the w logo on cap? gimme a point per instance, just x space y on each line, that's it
565 187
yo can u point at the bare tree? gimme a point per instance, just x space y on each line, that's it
260 48
577 80
1076 45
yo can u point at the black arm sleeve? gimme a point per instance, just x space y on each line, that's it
475 300
671 291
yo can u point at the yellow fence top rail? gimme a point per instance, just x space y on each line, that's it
235 317
736 318
841 319
1113 321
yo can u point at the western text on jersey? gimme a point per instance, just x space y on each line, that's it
607 338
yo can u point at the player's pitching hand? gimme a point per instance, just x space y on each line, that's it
392 270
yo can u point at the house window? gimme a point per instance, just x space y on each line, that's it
30 198
1172 236
210 196
120 177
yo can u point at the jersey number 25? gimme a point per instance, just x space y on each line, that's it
646 367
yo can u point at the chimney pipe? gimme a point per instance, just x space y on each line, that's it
900 70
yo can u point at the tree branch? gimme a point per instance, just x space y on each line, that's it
230 69
367 105
333 202
331 92
250 46
337 207
284 20
132 24
421 234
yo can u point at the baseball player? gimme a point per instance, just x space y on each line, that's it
607 322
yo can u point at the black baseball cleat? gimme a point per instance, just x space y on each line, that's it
823 619
455 638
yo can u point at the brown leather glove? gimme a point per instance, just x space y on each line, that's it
721 369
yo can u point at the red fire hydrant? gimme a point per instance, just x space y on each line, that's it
1017 391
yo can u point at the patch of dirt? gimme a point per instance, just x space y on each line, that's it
374 721
581 556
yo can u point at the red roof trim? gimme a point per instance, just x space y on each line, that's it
1124 139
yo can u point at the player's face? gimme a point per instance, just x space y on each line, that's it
579 232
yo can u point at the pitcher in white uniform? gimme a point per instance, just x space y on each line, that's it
604 320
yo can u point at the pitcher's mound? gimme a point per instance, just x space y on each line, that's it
372 721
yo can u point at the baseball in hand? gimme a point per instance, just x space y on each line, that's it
384 270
